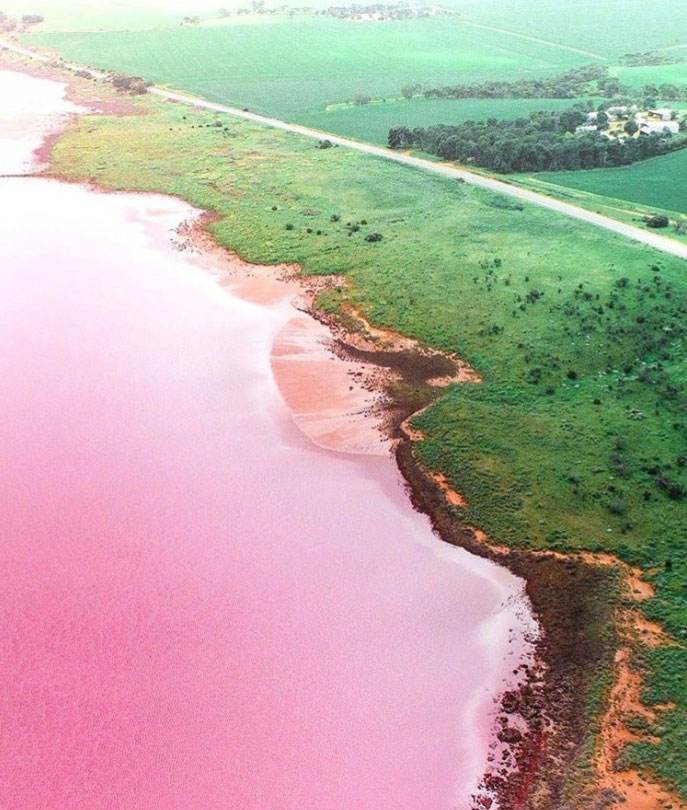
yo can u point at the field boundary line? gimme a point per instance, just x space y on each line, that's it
541 41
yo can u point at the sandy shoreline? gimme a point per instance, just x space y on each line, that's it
357 418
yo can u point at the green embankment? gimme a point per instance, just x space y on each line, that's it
577 438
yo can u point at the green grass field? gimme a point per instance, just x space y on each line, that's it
653 74
576 439
607 27
657 182
297 66
373 121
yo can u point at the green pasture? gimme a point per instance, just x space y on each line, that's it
372 122
607 27
653 74
659 182
298 66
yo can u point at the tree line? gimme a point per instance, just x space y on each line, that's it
648 58
571 84
588 80
545 141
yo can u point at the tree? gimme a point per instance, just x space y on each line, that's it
400 138
362 99
631 128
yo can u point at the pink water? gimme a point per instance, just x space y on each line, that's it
201 610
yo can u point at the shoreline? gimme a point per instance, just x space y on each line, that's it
550 582
279 286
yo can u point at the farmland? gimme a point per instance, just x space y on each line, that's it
650 183
372 122
609 28
335 60
653 74
575 439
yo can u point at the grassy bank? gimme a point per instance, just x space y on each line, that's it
576 439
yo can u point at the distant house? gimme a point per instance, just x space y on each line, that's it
662 113
650 126
587 128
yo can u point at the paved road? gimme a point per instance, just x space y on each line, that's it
655 240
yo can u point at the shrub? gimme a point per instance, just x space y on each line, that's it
657 221
374 237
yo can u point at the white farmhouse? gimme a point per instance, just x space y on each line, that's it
650 126
662 113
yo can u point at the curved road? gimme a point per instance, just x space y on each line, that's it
655 240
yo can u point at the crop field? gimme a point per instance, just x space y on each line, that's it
371 122
653 74
655 182
293 67
577 437
607 27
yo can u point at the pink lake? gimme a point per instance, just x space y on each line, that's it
202 610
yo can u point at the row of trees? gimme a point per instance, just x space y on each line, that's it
571 84
545 141
589 80
386 11
648 58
